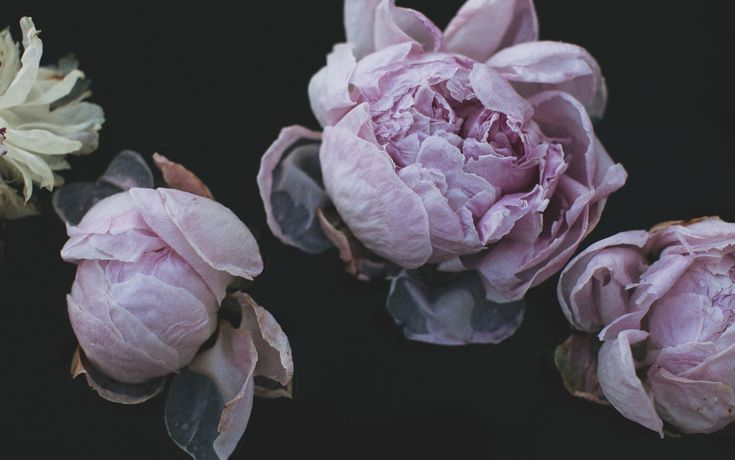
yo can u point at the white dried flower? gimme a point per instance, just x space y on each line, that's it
42 119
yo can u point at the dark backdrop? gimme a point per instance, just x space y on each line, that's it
210 85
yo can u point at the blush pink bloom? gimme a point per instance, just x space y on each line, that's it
665 302
153 268
470 148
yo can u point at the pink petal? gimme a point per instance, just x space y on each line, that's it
372 25
482 27
694 406
539 66
497 94
394 25
622 388
582 310
329 88
359 18
380 209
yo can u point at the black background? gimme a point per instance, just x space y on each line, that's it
210 85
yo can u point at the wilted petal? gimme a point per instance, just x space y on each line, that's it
359 261
616 372
290 183
13 206
128 169
274 352
378 207
576 360
450 310
693 406
482 27
178 177
539 66
71 202
209 404
112 390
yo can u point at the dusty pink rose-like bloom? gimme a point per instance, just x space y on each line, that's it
470 149
153 268
664 301
156 296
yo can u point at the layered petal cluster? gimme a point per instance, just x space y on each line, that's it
42 119
471 148
153 268
664 301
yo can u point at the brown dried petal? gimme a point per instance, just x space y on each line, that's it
178 177
576 360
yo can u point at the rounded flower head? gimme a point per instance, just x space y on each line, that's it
460 149
153 267
665 301
42 119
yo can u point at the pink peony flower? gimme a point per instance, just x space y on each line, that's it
470 148
665 302
153 268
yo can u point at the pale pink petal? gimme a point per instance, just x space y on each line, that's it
539 66
575 283
483 27
495 93
329 92
394 25
378 207
122 354
152 207
359 16
694 406
616 372
215 232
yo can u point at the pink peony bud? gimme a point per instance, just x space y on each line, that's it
665 302
153 268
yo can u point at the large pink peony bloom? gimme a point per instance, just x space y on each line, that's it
665 301
470 149
153 268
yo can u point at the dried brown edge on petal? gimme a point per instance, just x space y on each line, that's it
670 223
359 261
178 177
340 240
140 392
271 393
265 386
564 365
